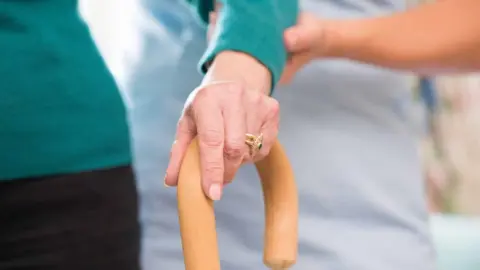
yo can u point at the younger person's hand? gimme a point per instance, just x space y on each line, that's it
304 42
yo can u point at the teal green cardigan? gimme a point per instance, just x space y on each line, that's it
60 109
252 26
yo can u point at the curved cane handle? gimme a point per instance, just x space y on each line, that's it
197 217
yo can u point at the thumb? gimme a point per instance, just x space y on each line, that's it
302 36
294 64
296 40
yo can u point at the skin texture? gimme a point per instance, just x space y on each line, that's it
441 37
231 102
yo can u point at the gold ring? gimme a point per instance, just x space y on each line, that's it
254 143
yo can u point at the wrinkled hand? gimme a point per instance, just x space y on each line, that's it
220 114
304 42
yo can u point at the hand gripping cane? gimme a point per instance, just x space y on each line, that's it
197 217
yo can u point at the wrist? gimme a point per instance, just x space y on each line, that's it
240 67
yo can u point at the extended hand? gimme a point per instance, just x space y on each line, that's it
304 42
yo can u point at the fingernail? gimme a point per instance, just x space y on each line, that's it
215 192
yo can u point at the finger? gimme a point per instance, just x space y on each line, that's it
253 103
210 130
294 64
269 128
185 134
288 72
235 148
295 39
303 35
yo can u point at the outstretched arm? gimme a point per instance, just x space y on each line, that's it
434 38
437 37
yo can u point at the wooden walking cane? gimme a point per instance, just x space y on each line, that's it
197 217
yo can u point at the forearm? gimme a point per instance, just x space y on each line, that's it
439 37
248 42
247 70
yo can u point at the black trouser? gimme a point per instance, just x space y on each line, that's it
84 221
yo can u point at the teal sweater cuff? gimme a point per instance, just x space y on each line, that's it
202 8
254 27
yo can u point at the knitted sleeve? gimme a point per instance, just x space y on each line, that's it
254 27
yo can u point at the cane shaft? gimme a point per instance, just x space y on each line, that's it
197 217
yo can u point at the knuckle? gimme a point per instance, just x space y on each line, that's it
211 138
274 106
235 89
217 92
257 99
201 94
213 168
234 150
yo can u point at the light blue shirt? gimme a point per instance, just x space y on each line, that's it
349 134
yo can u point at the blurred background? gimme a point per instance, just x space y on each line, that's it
448 113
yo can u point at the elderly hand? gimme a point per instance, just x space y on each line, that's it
231 103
